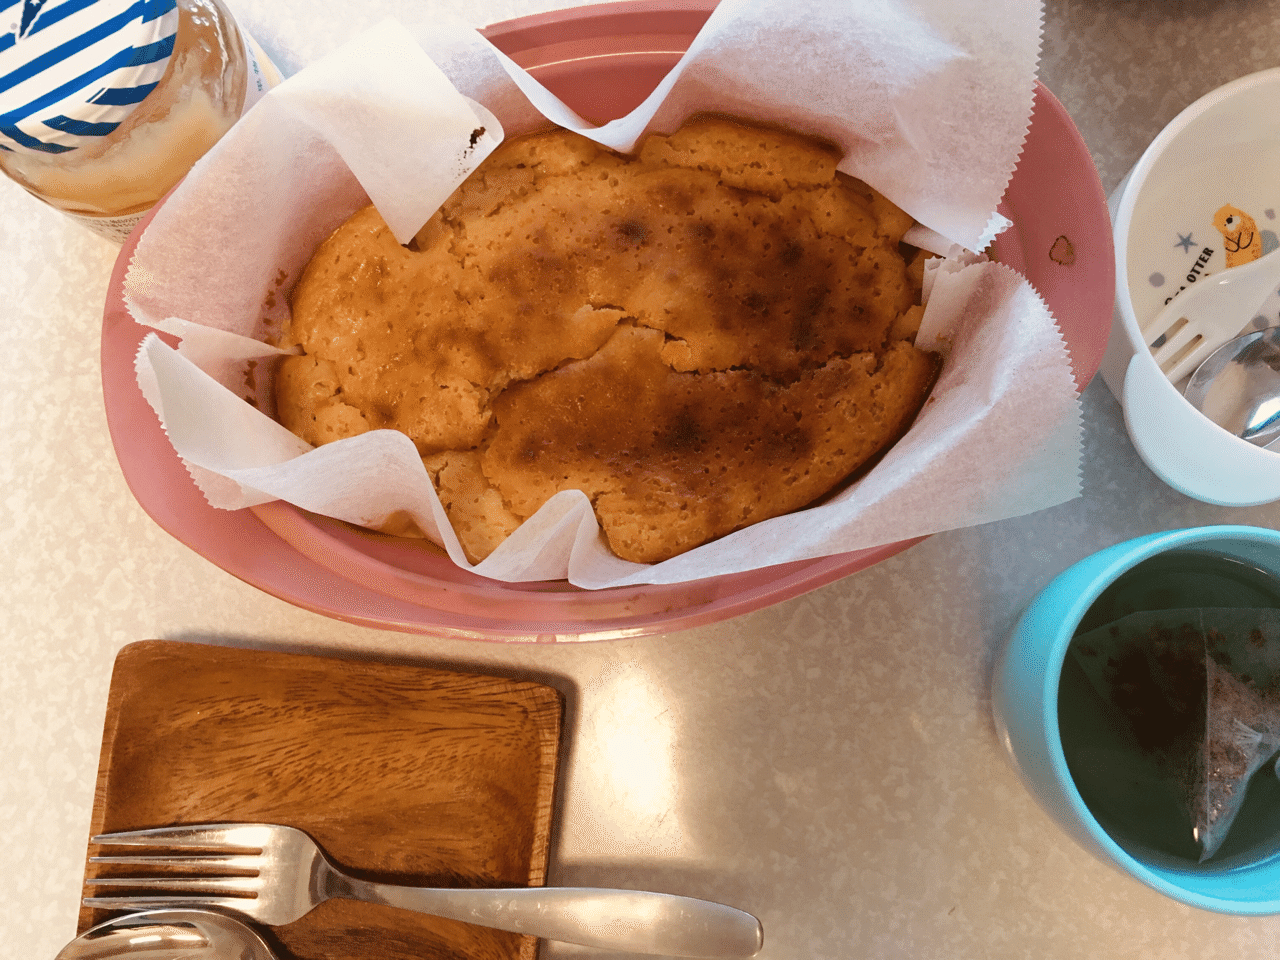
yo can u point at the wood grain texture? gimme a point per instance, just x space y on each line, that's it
401 773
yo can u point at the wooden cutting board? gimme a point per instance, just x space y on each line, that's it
401 773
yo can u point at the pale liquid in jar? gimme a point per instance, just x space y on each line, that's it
214 74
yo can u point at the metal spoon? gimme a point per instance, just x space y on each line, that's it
1238 386
168 935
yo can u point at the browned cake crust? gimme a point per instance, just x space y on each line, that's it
709 334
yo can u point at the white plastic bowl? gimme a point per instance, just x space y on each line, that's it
1223 149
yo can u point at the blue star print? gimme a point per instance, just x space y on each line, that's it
1186 243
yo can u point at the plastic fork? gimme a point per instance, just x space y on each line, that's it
1205 316
277 874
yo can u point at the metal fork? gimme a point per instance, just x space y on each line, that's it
277 874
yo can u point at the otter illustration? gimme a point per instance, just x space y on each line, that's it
1240 237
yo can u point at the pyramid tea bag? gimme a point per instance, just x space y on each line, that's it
1196 697
1242 732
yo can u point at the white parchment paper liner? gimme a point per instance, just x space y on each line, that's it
380 119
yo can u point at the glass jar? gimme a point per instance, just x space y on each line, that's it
94 154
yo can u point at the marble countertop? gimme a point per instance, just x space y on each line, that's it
828 763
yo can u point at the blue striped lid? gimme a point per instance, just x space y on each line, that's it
72 70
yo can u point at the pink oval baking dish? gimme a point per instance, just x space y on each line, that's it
602 61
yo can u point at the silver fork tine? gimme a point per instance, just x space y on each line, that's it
193 885
202 861
168 902
238 835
